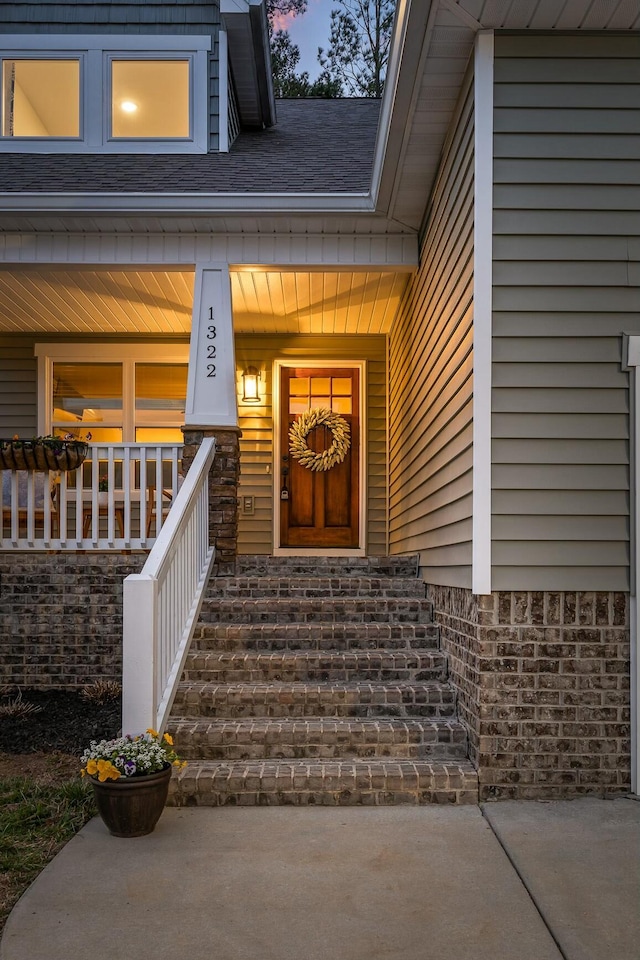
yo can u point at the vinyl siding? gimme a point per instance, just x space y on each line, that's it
150 17
431 383
18 387
566 272
255 533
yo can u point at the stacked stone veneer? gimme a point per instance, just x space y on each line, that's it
543 689
61 617
224 477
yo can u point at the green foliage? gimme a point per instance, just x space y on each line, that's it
36 819
358 52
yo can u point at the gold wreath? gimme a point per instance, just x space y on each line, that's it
302 427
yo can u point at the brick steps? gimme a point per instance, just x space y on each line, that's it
315 636
314 699
309 588
318 680
371 665
264 566
334 610
319 738
328 782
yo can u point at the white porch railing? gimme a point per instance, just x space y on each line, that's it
72 511
161 604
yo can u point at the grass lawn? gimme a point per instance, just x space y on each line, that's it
39 812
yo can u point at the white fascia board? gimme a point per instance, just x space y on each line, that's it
412 26
186 203
41 42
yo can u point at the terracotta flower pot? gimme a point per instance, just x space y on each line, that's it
131 806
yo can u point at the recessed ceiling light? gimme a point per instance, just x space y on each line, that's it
128 106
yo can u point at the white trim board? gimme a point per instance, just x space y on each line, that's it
631 363
482 321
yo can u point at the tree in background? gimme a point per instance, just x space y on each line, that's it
285 57
360 36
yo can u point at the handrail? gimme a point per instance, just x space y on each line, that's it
161 604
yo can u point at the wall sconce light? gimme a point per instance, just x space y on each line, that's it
250 385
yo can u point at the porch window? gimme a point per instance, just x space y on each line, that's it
40 98
134 393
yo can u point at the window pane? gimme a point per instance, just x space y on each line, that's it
161 391
159 435
87 393
41 98
150 98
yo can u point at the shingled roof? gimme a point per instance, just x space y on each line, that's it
317 146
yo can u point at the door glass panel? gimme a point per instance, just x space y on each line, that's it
341 386
322 402
341 405
299 386
41 98
320 386
298 405
150 98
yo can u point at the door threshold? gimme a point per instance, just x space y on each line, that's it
319 552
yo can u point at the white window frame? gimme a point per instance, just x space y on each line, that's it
126 354
95 55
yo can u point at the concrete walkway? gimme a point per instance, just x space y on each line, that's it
350 883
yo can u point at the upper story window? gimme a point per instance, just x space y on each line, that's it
76 94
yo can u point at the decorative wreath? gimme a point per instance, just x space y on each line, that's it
302 427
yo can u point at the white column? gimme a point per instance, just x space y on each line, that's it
211 387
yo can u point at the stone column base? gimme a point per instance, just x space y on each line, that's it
223 488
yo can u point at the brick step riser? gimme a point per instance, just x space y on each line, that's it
223 709
323 751
289 588
221 613
333 784
263 566
321 638
306 674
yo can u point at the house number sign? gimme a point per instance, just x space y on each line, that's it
211 387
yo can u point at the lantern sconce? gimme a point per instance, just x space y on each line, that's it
251 385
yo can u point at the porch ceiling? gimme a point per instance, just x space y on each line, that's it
109 302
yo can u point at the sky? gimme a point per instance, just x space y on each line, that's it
309 32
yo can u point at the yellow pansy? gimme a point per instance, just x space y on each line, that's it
154 733
169 739
107 771
92 767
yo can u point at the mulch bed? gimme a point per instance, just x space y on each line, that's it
65 724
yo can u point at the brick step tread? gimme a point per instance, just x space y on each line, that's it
328 610
368 699
315 636
319 737
243 666
329 782
264 565
310 587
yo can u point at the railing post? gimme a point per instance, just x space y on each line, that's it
139 651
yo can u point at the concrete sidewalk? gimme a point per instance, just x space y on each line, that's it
350 883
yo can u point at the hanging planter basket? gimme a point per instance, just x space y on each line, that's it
42 453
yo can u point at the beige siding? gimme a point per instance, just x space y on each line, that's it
566 250
255 533
431 364
18 390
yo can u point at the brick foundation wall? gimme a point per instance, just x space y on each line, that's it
543 687
61 617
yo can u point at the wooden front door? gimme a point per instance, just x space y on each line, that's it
319 509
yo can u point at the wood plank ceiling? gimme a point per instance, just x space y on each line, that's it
52 300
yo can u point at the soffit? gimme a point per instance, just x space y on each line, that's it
434 76
108 302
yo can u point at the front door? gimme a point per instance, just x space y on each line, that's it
320 507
